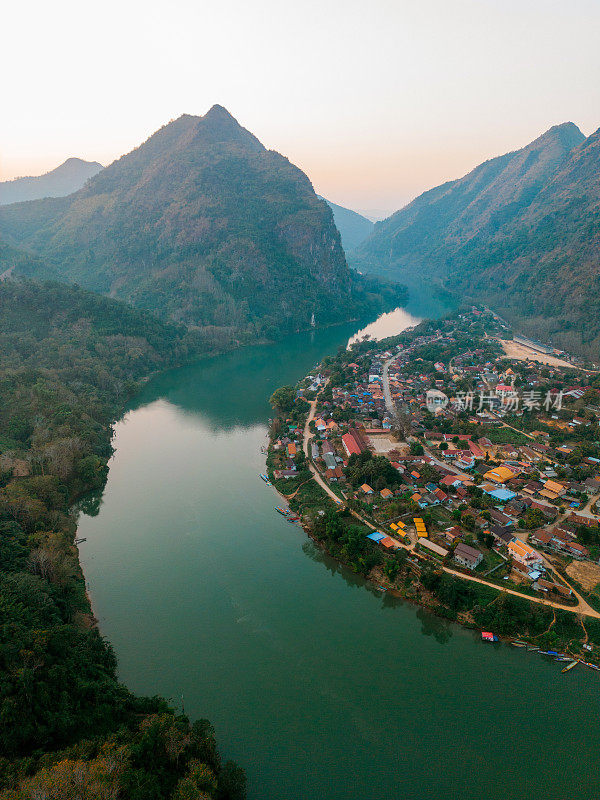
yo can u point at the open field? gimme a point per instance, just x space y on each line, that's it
382 444
587 573
523 353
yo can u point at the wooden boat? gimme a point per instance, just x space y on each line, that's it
591 666
533 649
518 644
570 666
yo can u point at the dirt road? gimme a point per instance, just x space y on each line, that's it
583 608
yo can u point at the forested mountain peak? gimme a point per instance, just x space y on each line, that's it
200 224
521 231
480 201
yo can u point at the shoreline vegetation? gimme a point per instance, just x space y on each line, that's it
69 362
357 468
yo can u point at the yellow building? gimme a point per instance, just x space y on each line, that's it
499 475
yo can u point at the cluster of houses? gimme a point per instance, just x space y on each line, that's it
288 446
512 482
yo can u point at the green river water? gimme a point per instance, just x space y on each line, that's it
317 685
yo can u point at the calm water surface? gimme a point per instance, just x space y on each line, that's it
318 686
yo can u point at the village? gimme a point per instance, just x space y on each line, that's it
469 461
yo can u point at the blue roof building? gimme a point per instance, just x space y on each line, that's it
503 495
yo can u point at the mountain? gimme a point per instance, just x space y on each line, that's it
520 232
63 180
353 227
203 225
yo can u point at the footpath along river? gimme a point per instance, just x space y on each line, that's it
317 685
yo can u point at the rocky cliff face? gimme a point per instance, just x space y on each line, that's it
353 227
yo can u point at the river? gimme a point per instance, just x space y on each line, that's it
317 685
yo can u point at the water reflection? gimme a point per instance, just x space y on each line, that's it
233 389
204 591
440 629
431 625
389 324
90 503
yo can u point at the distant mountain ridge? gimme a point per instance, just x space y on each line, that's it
353 227
200 224
520 232
65 179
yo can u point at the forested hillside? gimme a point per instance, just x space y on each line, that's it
68 363
520 232
201 225
353 227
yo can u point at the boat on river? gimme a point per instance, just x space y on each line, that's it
487 636
265 478
519 644
284 511
570 666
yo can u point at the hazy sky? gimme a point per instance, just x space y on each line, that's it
376 100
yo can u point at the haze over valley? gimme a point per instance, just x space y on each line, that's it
300 382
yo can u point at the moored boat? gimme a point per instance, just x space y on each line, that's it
283 511
518 644
570 666
487 636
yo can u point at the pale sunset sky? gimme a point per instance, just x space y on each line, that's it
376 101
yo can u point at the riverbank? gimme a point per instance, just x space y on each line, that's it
206 592
427 580
379 580
67 369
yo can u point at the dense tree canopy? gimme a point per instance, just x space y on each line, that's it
69 360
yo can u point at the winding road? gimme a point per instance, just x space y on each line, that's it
583 608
